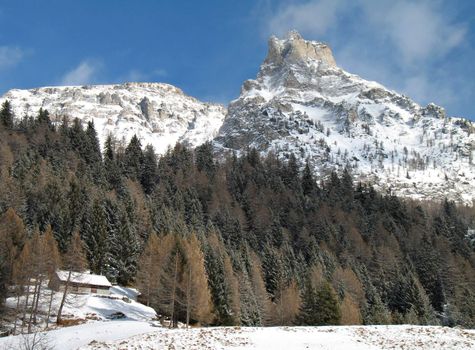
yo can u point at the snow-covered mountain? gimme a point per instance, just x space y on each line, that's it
160 114
302 102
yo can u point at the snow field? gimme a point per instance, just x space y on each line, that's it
299 338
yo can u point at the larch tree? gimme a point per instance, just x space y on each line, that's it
22 271
147 278
52 264
286 305
198 297
12 237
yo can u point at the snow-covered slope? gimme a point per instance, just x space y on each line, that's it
87 307
302 102
142 335
160 114
297 338
75 337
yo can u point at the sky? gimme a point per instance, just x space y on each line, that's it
422 48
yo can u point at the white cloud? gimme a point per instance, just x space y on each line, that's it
312 18
84 73
418 29
10 56
402 44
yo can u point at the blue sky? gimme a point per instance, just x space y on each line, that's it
425 49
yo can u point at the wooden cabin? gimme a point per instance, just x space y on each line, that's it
80 283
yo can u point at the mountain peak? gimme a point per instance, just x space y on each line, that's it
293 48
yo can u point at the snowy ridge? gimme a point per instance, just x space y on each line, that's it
159 114
301 102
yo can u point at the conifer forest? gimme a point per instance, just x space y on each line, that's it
233 239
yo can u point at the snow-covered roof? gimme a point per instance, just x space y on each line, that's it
84 278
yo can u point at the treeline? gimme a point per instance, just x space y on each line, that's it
249 240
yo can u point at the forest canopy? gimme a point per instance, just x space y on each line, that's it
233 240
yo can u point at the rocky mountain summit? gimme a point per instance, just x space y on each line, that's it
159 114
301 102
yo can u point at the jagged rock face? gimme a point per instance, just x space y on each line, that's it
159 114
295 49
301 102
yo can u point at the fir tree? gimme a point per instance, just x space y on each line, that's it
94 230
328 308
6 115
308 183
149 170
124 250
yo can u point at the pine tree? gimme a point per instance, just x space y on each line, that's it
6 115
92 150
222 282
308 182
133 159
43 118
378 313
95 236
123 252
149 169
259 290
327 305
204 159
309 308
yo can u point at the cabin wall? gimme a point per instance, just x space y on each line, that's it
58 286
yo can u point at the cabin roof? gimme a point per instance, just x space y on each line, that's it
84 278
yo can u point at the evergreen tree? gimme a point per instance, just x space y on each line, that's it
6 115
149 170
123 253
222 282
95 234
309 312
328 308
308 182
43 118
133 159
92 150
204 159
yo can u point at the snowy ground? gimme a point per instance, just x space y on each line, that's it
95 307
69 338
299 338
142 335
138 331
95 312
